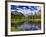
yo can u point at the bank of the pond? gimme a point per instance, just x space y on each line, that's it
34 21
19 21
16 21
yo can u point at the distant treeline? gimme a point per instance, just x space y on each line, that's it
19 15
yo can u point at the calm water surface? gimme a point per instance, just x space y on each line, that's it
28 26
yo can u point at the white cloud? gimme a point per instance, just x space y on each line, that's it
27 11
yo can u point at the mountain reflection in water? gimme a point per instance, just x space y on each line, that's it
28 26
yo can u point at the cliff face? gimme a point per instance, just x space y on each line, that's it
16 13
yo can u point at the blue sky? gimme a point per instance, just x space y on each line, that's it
25 9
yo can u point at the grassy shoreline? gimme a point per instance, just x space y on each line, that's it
18 21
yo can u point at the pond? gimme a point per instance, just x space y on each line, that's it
26 26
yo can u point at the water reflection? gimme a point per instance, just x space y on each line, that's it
28 26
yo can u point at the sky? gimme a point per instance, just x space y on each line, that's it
26 10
